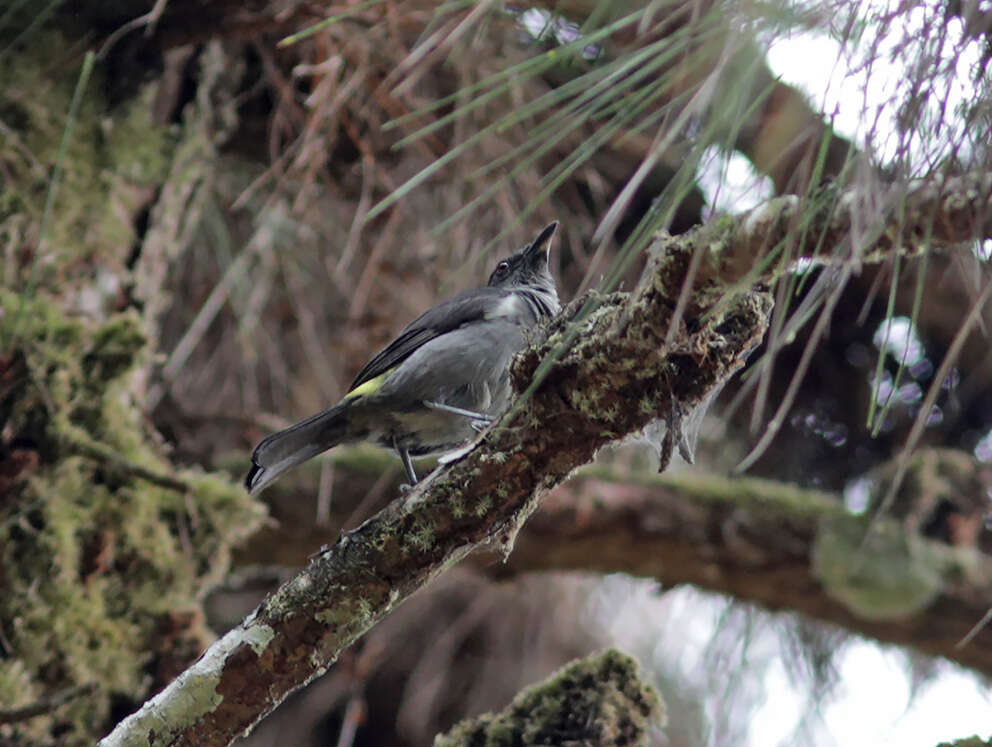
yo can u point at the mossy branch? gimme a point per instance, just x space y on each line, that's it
581 403
46 705
76 441
602 355
762 245
784 548
599 700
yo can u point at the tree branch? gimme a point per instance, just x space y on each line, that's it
607 372
771 544
753 539
868 223
609 367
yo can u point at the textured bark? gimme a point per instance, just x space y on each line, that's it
609 367
749 538
613 379
869 223
754 540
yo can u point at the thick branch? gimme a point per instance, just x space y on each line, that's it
759 541
750 538
868 223
603 374
614 378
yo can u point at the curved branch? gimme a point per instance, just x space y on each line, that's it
753 539
611 381
757 541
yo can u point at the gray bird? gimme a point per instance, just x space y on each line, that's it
439 382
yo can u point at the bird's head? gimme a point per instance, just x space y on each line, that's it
529 266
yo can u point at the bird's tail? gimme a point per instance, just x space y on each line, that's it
308 438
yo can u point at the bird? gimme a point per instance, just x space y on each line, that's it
439 383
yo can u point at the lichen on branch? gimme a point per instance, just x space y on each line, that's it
607 368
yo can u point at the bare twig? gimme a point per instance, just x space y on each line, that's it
148 20
45 705
104 454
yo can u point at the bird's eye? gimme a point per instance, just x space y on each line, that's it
502 267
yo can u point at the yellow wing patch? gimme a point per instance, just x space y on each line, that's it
368 387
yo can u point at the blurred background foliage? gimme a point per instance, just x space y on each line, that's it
211 215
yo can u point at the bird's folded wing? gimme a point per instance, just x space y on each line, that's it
465 308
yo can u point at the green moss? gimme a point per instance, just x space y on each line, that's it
421 535
880 573
495 457
108 172
751 494
354 614
482 506
601 700
104 549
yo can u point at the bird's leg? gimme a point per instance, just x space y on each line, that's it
407 463
479 420
482 417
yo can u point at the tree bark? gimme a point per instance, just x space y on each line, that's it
612 379
609 367
749 538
